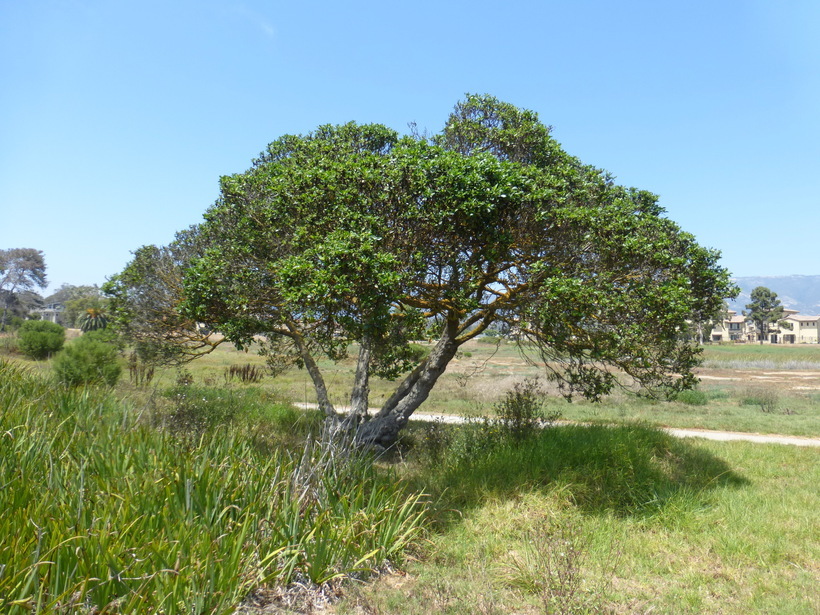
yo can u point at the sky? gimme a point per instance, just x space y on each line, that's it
117 118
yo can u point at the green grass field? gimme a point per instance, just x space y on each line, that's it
734 380
620 520
179 498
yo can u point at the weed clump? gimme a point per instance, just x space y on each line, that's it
521 413
767 400
141 373
247 374
551 566
692 397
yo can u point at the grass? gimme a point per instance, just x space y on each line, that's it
174 498
763 356
619 519
107 509
480 376
473 384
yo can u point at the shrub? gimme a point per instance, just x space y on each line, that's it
40 338
766 399
200 409
14 323
419 352
521 412
692 397
88 360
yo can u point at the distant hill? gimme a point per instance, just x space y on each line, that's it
797 292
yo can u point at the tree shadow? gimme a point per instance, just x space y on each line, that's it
626 470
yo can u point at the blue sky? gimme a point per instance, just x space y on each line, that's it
118 118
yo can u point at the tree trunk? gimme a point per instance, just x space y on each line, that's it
361 386
380 432
313 370
383 430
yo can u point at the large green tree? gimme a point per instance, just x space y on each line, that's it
355 234
145 301
21 270
763 311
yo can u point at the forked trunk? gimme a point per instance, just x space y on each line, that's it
383 429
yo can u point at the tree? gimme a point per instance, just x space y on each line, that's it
764 310
93 320
21 269
21 305
144 302
353 234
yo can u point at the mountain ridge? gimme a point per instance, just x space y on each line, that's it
796 292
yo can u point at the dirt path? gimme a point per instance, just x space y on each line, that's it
723 436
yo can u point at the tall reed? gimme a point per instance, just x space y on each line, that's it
101 511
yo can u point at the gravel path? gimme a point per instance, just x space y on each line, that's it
723 436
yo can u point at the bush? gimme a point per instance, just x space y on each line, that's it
200 409
766 399
90 359
692 397
521 412
40 338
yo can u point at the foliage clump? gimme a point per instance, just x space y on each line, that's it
39 338
522 412
90 359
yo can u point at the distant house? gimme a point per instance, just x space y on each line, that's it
732 329
804 329
51 312
735 328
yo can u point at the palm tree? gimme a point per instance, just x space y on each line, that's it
92 320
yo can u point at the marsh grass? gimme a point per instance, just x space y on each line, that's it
794 356
617 519
475 383
105 512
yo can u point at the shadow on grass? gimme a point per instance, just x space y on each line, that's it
625 469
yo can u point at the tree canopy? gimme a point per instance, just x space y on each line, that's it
764 310
21 270
354 233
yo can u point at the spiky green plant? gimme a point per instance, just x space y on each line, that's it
102 513
93 320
